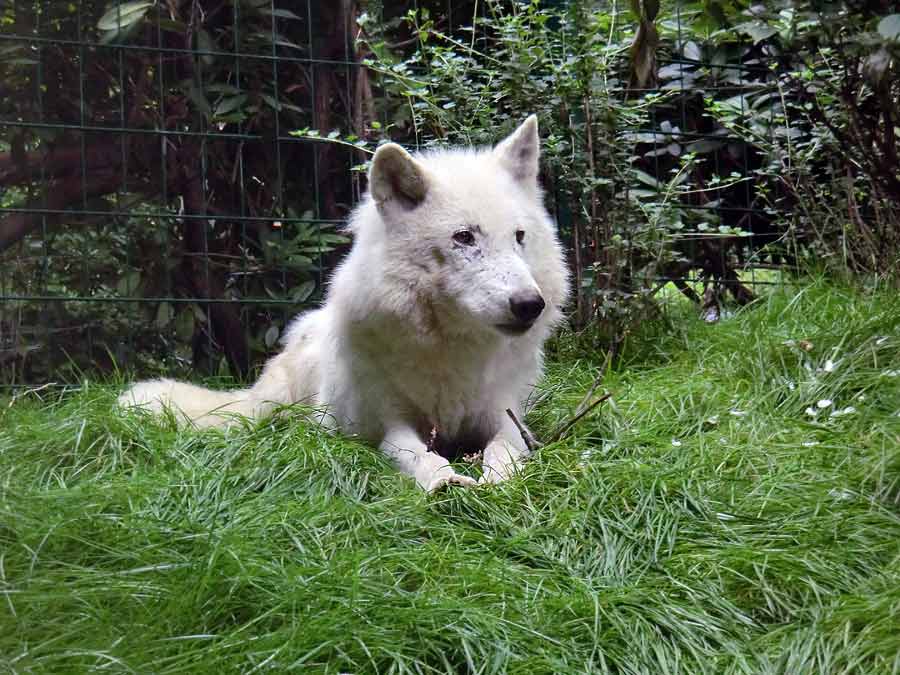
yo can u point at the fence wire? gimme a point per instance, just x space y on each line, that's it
157 214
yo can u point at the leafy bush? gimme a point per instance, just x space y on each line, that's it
681 140
831 169
148 163
690 138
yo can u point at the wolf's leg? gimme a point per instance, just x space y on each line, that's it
504 454
411 456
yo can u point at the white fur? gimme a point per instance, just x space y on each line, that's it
408 339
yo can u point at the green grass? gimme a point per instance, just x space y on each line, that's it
701 521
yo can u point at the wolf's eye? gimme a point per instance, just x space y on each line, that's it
464 237
520 236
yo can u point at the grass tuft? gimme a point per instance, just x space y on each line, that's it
734 508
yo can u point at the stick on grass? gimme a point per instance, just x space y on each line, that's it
530 441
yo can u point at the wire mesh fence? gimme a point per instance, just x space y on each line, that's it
174 174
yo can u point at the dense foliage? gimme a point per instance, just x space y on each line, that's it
689 137
185 185
681 139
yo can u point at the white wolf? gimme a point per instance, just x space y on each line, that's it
434 323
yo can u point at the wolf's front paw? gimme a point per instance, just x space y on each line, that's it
489 477
445 477
499 464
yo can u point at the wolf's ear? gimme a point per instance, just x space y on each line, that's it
395 175
519 152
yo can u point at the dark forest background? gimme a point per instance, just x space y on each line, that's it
173 175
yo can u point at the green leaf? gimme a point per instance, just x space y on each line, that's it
164 314
129 283
643 137
271 101
198 98
271 336
282 42
877 65
704 145
303 291
205 44
645 178
889 27
172 26
299 263
640 193
122 16
275 38
228 105
184 325
757 30
692 51
280 13
223 88
291 106
328 238
223 370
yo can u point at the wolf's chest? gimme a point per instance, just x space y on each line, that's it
453 411
468 440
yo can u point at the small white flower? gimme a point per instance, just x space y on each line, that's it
849 410
812 412
791 385
723 440
860 396
713 420
829 366
676 443
824 403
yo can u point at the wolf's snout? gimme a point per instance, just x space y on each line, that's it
527 306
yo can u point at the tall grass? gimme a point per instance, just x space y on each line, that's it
734 508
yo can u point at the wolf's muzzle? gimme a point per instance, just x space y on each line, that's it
525 307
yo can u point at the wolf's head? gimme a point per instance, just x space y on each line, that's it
468 229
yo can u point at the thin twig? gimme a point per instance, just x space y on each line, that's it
583 407
16 397
530 441
607 362
575 418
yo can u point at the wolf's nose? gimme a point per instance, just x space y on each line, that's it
526 306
